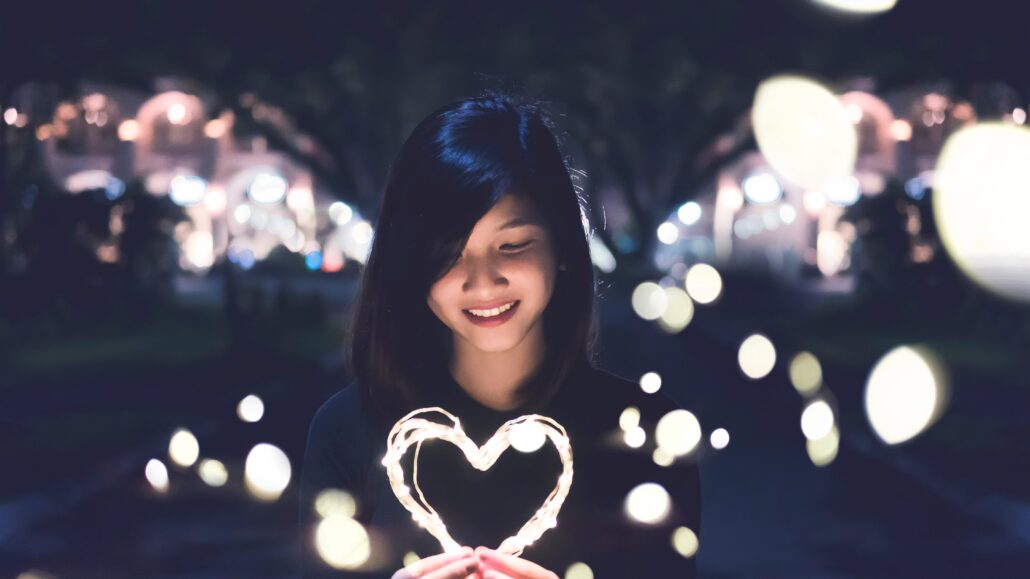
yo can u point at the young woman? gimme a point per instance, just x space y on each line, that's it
479 297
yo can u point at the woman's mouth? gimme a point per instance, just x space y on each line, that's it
494 317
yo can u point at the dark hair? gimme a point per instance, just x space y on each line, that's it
455 165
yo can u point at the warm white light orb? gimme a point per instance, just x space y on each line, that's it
187 190
905 393
213 472
340 212
342 542
678 432
335 502
650 382
806 374
762 188
183 448
648 503
981 201
579 570
668 233
267 472
250 409
267 188
816 420
635 437
757 356
527 437
630 418
685 542
804 131
157 475
649 300
720 438
689 213
703 283
822 451
679 310
859 6
662 457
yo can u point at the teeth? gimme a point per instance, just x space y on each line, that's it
493 312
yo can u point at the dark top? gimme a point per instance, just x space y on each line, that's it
346 443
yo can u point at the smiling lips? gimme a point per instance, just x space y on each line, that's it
493 316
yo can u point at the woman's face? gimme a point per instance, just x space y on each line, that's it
508 262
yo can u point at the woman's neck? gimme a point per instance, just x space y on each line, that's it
493 378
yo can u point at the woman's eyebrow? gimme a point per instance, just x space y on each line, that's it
519 222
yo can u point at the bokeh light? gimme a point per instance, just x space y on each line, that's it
648 503
340 212
689 213
527 437
804 131
183 448
335 502
816 420
250 409
719 438
342 542
761 188
703 283
685 542
213 472
187 190
662 457
668 233
823 450
410 558
650 382
635 437
157 475
128 130
267 188
267 472
905 393
679 310
806 374
981 200
757 356
579 570
859 6
630 418
649 300
678 432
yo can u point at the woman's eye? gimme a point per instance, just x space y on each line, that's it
515 247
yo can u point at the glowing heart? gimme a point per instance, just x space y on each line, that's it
523 432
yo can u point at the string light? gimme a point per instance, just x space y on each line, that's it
411 430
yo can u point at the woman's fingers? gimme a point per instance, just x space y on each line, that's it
429 564
459 569
495 574
513 566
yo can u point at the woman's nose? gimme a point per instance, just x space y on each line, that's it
482 273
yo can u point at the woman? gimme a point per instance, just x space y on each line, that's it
478 297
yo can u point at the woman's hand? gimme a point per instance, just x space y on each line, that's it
495 565
454 565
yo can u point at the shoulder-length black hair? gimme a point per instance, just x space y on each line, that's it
455 165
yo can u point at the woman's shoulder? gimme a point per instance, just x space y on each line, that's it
342 413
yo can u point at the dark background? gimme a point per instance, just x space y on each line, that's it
101 361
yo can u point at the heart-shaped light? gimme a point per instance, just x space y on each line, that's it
411 430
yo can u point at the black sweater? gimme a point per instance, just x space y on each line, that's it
346 443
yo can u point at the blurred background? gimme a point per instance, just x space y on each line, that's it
810 227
